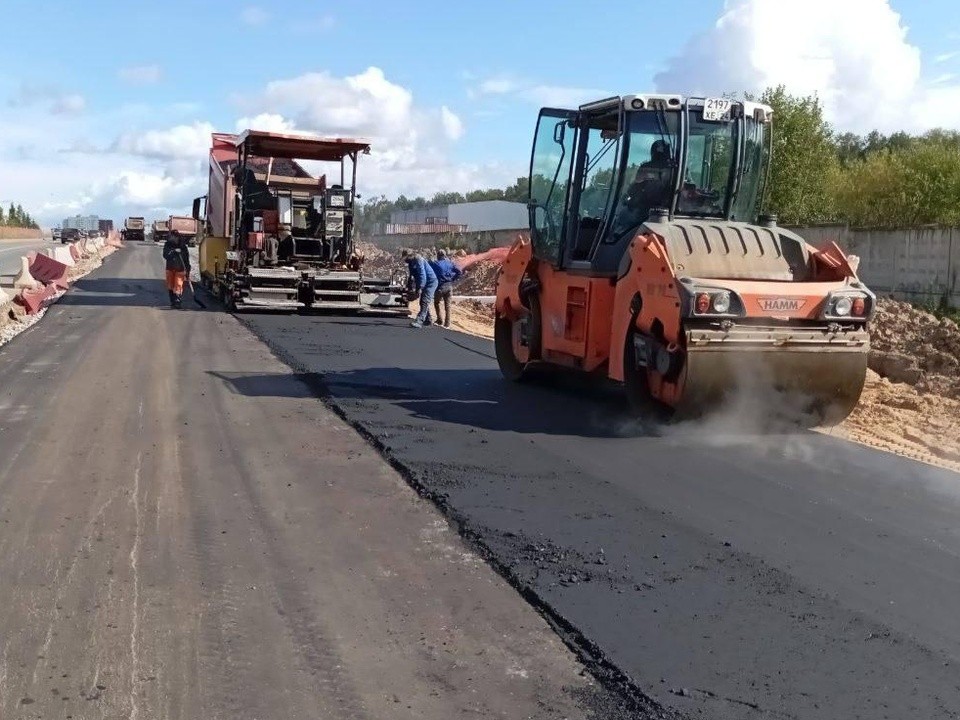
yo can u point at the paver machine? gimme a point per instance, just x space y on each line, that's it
648 261
278 238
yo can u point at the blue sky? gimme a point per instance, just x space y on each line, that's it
107 105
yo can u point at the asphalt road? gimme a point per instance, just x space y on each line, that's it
10 253
727 573
187 532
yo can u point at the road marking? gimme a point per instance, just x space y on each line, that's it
135 570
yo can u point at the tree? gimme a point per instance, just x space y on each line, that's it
804 159
12 216
2 220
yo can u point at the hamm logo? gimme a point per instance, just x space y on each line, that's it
775 304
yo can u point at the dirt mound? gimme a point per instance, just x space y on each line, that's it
913 346
379 263
479 279
895 417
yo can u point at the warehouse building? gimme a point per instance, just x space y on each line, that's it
471 217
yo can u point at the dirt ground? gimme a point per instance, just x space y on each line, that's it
910 404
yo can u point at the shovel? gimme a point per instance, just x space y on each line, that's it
193 293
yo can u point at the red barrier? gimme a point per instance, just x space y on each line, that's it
34 300
48 271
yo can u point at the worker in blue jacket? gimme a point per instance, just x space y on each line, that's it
447 274
424 282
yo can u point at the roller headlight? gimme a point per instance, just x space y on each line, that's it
721 303
843 306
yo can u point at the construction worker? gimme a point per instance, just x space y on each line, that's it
447 273
424 282
286 247
177 255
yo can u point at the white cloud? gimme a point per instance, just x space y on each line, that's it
946 57
411 143
254 16
452 125
853 54
158 171
30 95
141 74
497 86
271 122
535 93
68 104
182 142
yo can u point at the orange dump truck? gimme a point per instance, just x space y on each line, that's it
647 261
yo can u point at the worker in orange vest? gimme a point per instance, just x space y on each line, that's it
177 255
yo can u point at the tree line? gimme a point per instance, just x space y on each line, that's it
818 175
16 216
874 181
377 210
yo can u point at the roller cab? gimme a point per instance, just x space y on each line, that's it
648 260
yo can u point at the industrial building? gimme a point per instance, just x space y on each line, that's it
471 217
87 223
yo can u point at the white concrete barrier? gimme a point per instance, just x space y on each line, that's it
24 280
4 297
61 254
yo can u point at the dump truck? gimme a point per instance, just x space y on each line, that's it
133 228
649 261
278 238
160 231
187 226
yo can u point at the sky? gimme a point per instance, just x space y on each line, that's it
106 106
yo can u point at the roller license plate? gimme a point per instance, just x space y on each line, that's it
716 109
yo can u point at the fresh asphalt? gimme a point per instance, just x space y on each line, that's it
724 572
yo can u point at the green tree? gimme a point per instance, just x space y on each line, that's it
12 216
2 218
804 158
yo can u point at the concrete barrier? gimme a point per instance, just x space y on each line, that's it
61 254
35 300
48 271
4 297
24 280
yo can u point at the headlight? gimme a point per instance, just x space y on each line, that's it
842 306
721 303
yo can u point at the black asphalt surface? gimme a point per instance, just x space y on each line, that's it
727 574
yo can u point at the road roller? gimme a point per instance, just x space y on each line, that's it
649 259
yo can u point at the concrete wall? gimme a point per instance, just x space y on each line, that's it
471 241
919 264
